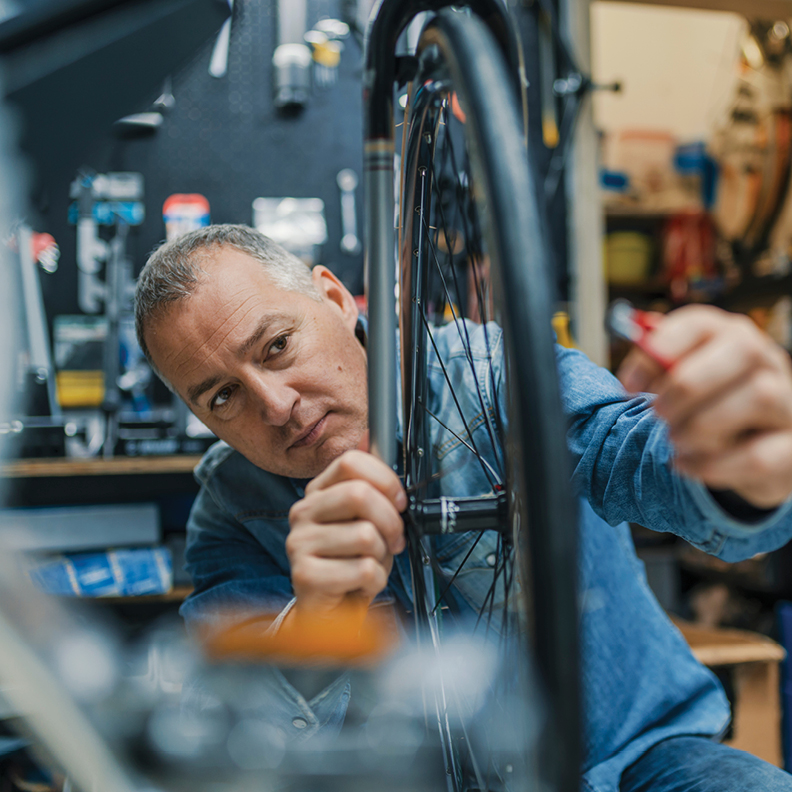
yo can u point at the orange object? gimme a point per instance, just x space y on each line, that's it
40 243
184 212
456 108
354 635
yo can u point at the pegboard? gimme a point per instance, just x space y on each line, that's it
225 139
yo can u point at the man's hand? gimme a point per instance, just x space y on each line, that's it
727 400
344 534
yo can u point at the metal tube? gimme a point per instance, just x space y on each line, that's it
292 21
38 337
291 61
54 717
381 279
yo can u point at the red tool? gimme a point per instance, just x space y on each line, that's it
630 323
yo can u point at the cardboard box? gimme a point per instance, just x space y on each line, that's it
753 661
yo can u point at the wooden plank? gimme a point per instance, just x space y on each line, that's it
718 647
628 211
43 468
752 9
734 655
757 712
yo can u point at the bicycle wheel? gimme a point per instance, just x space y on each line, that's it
485 458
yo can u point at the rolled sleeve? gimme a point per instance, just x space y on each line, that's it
622 466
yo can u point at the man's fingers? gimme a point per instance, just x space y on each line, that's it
750 406
349 501
757 468
683 333
676 336
714 369
639 373
342 540
360 465
330 578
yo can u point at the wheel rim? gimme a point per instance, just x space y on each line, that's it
452 252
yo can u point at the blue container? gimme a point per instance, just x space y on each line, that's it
115 573
784 618
692 159
615 181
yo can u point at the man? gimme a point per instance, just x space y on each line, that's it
295 517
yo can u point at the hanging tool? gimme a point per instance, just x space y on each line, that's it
218 64
40 356
347 181
292 59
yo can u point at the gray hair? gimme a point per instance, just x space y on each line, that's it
173 271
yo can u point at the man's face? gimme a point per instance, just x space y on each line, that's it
277 375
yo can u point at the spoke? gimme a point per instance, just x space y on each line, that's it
464 337
454 397
450 244
427 327
409 490
471 257
469 236
450 604
461 440
509 584
471 754
498 558
458 570
479 295
489 599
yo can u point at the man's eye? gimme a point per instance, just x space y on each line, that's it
280 343
222 397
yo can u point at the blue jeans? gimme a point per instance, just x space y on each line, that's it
696 764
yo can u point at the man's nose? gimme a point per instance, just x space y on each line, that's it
274 398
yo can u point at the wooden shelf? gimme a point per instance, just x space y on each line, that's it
653 288
720 646
116 466
176 594
616 211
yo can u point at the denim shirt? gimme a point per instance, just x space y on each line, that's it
641 684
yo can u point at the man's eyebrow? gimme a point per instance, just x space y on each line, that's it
255 336
196 391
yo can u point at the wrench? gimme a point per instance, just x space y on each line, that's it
347 182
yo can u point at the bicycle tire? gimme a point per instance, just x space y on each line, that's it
464 89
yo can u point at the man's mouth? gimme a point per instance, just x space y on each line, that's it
311 434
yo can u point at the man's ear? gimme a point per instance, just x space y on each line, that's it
335 292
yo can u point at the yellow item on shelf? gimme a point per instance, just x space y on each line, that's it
80 388
628 257
327 53
550 133
560 323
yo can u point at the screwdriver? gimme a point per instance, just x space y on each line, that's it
625 321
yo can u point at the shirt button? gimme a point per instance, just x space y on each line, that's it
299 723
491 559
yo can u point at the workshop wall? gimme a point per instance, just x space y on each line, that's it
677 67
223 138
